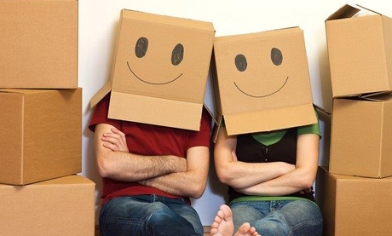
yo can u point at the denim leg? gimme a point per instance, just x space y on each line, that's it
285 218
187 213
145 215
248 212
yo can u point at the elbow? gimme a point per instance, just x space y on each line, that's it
224 176
307 182
197 190
103 167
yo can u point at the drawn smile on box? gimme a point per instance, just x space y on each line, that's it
141 50
263 95
241 65
153 83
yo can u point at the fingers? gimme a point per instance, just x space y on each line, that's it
234 155
116 141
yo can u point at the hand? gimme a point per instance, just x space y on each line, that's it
234 155
115 141
305 191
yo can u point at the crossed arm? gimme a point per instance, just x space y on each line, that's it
179 176
267 179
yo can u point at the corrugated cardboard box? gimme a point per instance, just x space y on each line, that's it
354 205
63 206
40 134
39 44
361 136
263 81
360 55
160 70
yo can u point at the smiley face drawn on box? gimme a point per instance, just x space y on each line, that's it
141 49
263 70
163 56
262 75
241 64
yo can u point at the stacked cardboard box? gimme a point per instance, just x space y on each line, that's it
354 190
40 121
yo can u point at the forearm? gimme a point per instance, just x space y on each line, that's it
243 175
292 182
240 174
175 183
130 167
188 183
116 162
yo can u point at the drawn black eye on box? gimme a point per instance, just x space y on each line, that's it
141 49
241 64
177 54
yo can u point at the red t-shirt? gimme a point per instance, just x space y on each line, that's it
149 140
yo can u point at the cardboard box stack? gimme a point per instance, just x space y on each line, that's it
41 121
355 189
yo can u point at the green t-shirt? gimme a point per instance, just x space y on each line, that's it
271 137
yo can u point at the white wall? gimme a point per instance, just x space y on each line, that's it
98 26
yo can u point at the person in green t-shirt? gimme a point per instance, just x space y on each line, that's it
270 177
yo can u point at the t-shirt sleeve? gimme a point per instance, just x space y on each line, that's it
100 115
310 129
202 137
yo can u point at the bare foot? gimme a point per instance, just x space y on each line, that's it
246 230
223 225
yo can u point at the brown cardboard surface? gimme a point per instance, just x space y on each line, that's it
63 206
360 56
354 205
260 97
40 134
152 89
39 44
361 137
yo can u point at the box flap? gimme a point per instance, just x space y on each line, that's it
105 89
210 97
365 8
346 11
378 97
21 91
156 111
269 120
321 110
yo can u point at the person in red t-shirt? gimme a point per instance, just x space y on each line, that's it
149 174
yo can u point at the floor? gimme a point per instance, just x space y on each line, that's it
206 231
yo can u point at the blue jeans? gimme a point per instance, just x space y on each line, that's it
280 218
149 215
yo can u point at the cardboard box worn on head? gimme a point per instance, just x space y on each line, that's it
160 70
354 205
263 81
40 134
359 51
361 136
39 44
63 206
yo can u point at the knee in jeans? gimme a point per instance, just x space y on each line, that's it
274 228
157 211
